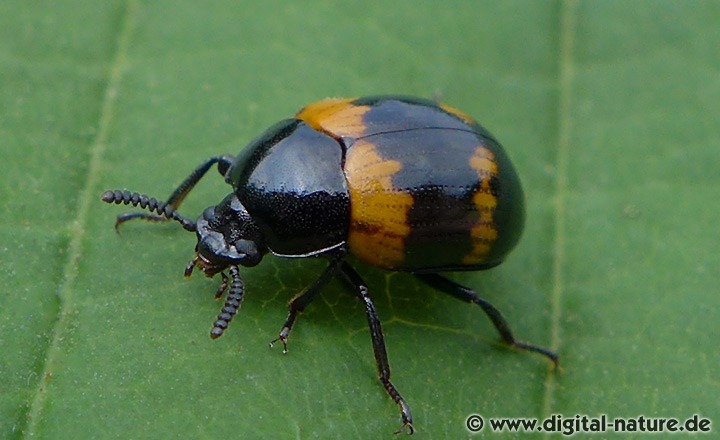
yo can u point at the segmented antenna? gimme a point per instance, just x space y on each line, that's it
149 203
232 304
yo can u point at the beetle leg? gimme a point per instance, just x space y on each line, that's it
378 342
222 287
177 196
466 294
305 297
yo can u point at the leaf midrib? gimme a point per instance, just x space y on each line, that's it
77 227
568 14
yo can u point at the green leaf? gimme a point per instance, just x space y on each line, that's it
609 110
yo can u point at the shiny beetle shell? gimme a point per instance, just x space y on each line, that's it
410 185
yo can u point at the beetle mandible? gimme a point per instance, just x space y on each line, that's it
404 184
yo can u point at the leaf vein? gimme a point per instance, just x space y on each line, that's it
568 14
77 227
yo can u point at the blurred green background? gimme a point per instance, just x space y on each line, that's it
609 110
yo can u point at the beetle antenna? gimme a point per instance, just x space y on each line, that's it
150 203
232 303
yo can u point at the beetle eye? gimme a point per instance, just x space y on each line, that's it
211 244
250 255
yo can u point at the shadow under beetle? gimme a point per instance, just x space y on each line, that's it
404 184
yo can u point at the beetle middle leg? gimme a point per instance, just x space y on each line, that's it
466 294
378 343
306 296
177 196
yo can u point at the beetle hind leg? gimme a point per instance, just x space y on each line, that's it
378 343
466 294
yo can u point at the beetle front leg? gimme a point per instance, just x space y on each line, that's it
305 297
177 196
466 294
378 343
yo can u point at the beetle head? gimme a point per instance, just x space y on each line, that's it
227 236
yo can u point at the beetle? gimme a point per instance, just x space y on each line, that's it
402 183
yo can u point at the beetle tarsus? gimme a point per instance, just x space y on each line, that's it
407 426
283 337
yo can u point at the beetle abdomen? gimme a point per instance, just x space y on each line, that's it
430 199
429 188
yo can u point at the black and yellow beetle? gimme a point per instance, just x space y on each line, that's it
404 184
